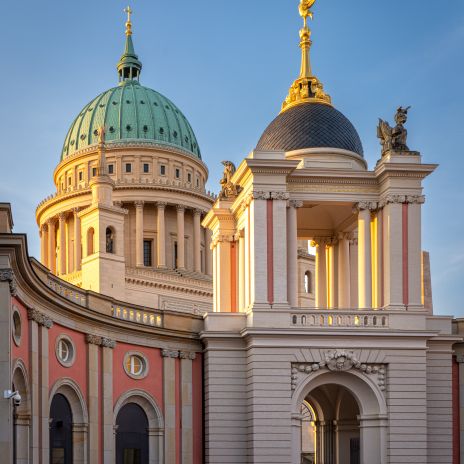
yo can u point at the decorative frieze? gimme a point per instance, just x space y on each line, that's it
7 275
100 341
41 319
401 199
338 361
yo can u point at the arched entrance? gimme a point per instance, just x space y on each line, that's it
349 419
61 431
132 435
21 415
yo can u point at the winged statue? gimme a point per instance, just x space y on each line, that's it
305 9
228 188
394 138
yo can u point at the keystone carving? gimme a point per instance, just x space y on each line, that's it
41 319
100 341
7 275
339 361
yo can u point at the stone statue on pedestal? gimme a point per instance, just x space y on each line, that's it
394 138
228 188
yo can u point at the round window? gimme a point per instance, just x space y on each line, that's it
135 365
65 351
17 327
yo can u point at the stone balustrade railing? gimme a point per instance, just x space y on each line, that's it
340 318
67 291
146 317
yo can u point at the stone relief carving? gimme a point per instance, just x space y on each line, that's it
394 138
100 341
339 361
7 275
41 319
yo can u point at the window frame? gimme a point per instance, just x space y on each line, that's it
144 365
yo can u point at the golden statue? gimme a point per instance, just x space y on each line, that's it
305 10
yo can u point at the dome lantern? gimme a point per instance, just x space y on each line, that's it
129 66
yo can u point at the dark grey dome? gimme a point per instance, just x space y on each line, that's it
310 125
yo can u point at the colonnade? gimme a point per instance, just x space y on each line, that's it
55 242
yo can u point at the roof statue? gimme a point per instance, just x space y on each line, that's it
228 188
305 10
394 138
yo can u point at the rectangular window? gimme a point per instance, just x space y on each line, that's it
198 182
146 168
175 255
163 170
147 252
81 176
189 177
110 168
69 181
177 173
94 172
128 167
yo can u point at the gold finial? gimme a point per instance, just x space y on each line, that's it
307 87
128 10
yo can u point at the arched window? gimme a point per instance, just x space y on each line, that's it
131 435
90 241
61 433
308 285
109 240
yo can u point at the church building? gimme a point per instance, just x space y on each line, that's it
286 320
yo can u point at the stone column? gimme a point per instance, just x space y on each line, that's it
40 323
344 294
332 252
378 261
77 241
180 237
169 388
187 405
208 255
138 233
197 240
241 270
43 244
354 272
109 456
51 246
6 406
161 231
321 272
414 250
292 252
364 255
393 251
62 254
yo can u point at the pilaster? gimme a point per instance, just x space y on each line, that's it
292 253
169 390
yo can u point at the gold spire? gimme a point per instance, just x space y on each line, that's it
128 10
307 87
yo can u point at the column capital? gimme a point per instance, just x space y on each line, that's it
118 204
345 236
161 204
76 210
187 355
41 319
7 275
139 203
295 203
197 212
365 206
180 208
165 353
44 227
100 341
321 241
62 216
279 195
51 221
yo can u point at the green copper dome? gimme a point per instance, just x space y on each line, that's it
131 112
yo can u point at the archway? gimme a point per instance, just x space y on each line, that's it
132 435
154 427
350 419
21 415
61 429
70 391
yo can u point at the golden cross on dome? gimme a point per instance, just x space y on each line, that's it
305 10
128 10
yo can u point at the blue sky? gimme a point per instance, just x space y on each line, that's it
228 65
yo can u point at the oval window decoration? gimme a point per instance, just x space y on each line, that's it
65 351
136 365
16 326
